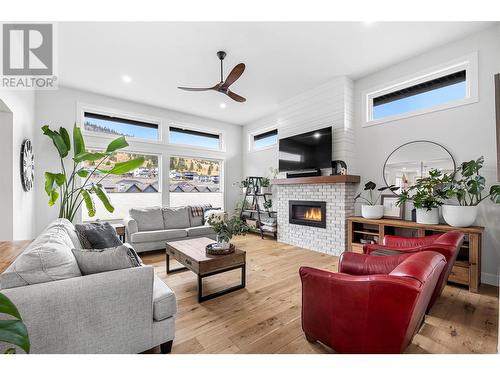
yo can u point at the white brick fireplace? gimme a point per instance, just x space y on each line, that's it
339 198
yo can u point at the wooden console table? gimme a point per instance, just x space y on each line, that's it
467 268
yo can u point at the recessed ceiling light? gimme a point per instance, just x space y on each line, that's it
317 135
222 105
126 79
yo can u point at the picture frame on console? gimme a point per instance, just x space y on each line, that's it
391 208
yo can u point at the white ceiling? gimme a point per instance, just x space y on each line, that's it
282 59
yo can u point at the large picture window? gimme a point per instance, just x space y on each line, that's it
195 181
139 188
195 138
104 124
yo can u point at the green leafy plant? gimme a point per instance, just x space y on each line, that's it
467 186
64 185
13 331
227 228
370 187
265 182
274 172
268 204
427 193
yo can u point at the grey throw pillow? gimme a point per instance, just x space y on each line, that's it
97 235
104 260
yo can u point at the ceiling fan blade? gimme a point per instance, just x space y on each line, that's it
236 97
196 88
234 75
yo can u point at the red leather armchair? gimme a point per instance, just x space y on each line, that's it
373 305
447 244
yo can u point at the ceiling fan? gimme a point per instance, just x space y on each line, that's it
223 86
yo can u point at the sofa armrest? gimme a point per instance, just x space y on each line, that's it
109 312
130 228
363 264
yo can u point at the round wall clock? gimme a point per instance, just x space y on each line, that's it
27 165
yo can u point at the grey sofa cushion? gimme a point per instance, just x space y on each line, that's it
47 258
150 218
158 235
103 260
164 303
98 235
195 221
176 217
202 230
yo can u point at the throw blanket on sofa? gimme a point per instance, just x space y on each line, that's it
199 210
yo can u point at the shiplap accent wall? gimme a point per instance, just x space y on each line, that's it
330 104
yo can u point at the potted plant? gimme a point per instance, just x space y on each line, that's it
268 204
64 185
265 184
227 228
13 331
466 186
427 196
245 185
370 209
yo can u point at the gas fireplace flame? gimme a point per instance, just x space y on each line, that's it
313 213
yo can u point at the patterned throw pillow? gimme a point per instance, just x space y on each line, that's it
97 235
104 260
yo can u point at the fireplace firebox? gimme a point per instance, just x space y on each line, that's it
309 213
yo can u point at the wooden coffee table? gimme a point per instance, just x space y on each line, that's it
191 254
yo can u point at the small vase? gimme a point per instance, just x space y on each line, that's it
459 216
223 244
425 216
372 212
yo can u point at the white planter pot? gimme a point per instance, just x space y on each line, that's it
459 216
224 245
425 216
265 189
372 212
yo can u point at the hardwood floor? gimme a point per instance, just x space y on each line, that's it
265 316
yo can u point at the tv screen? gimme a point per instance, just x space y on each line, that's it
306 151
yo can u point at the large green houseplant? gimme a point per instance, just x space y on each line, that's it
13 331
64 186
466 187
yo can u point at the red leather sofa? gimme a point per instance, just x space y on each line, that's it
373 305
448 244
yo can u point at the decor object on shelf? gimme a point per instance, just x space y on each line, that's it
268 204
427 197
274 172
447 244
372 210
27 165
466 186
223 86
64 186
391 208
265 186
13 331
226 229
353 310
413 160
339 167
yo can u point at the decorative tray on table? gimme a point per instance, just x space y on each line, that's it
212 249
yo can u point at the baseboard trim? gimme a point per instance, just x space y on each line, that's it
489 278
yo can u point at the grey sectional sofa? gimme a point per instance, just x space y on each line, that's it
149 228
125 311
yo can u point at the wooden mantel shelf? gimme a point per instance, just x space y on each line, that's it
339 179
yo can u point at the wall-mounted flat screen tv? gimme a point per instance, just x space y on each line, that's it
306 151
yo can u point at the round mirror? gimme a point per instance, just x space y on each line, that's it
414 160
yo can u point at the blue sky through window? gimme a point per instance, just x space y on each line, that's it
427 99
265 142
120 128
193 140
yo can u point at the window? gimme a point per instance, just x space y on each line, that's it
453 85
195 181
264 140
194 138
139 188
104 124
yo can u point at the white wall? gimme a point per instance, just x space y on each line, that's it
467 131
18 218
59 108
327 105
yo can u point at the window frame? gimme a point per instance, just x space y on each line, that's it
207 130
252 135
82 108
469 63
